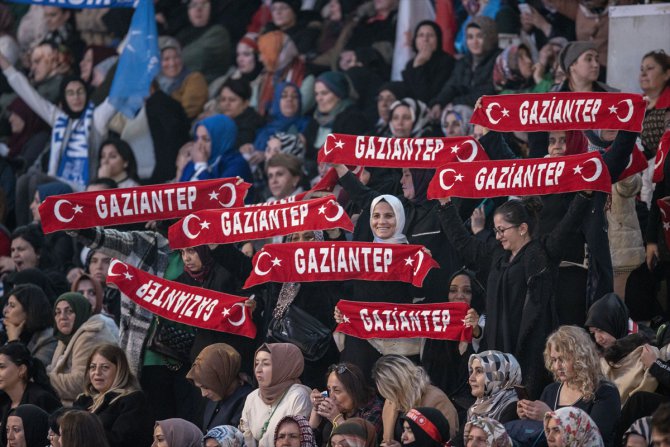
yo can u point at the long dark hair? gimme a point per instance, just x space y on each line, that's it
520 211
33 234
19 355
354 382
661 59
36 305
126 152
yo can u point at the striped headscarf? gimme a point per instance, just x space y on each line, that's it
225 435
502 371
576 426
641 427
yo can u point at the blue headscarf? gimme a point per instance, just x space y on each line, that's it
52 189
278 121
223 133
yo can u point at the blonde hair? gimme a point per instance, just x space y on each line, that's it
124 382
393 375
576 344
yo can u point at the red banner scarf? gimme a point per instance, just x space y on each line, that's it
183 304
637 163
329 180
340 261
424 153
561 111
535 176
249 223
664 207
139 204
661 155
441 321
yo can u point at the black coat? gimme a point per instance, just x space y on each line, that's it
248 123
425 81
226 412
34 394
128 421
468 82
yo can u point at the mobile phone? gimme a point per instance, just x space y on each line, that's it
324 393
521 392
524 8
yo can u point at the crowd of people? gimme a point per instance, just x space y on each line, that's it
568 294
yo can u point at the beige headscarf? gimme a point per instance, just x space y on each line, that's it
287 365
217 367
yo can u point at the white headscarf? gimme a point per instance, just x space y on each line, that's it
398 236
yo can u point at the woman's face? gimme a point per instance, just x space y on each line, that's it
207 393
401 122
64 316
289 103
325 99
460 290
557 144
302 236
586 68
101 372
159 438
602 338
477 379
525 63
384 101
203 140
171 63
334 10
635 440
453 126
426 39
24 254
508 234
339 394
407 434
75 96
288 435
245 60
652 76
281 182
86 65
10 373
15 435
562 365
14 312
16 123
282 15
191 260
198 12
110 157
407 184
477 438
35 207
554 434
474 40
230 104
86 288
383 220
263 368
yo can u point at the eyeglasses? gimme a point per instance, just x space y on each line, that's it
339 368
501 231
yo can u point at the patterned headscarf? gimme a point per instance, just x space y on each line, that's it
501 372
641 427
577 427
225 435
496 435
358 433
306 434
419 112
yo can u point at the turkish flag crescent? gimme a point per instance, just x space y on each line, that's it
664 207
661 156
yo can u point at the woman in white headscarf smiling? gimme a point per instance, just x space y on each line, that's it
387 219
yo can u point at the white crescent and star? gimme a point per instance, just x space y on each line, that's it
111 272
420 256
214 195
489 109
276 262
242 318
457 178
614 109
473 155
57 212
339 144
599 169
659 161
338 215
184 226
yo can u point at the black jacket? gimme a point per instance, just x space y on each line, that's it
34 394
425 82
226 412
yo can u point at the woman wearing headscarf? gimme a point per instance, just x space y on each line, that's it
27 426
409 118
516 72
29 132
216 371
277 367
571 427
223 436
425 427
177 433
285 115
289 427
579 61
493 375
430 68
354 432
486 431
78 332
455 121
234 102
387 94
214 155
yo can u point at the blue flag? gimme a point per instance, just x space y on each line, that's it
139 63
79 4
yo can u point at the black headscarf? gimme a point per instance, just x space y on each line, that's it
35 424
438 33
478 291
421 179
35 277
609 314
61 97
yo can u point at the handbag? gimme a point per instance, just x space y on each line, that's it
171 339
303 330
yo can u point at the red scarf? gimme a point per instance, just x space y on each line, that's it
441 321
535 176
138 204
561 111
664 207
183 304
637 162
260 222
424 153
340 261
661 155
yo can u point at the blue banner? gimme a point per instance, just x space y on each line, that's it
139 63
79 4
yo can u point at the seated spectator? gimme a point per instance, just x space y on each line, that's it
286 18
386 95
581 63
112 392
79 428
660 421
62 31
376 28
277 367
571 427
30 133
516 72
223 436
409 118
284 173
30 249
294 428
404 386
426 73
28 319
247 67
24 382
93 56
206 46
493 375
349 397
94 292
455 121
216 371
425 426
234 103
78 332
27 425
572 358
177 433
117 161
187 87
355 431
638 434
484 431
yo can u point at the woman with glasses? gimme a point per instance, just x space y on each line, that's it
521 273
78 331
112 392
294 431
347 396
